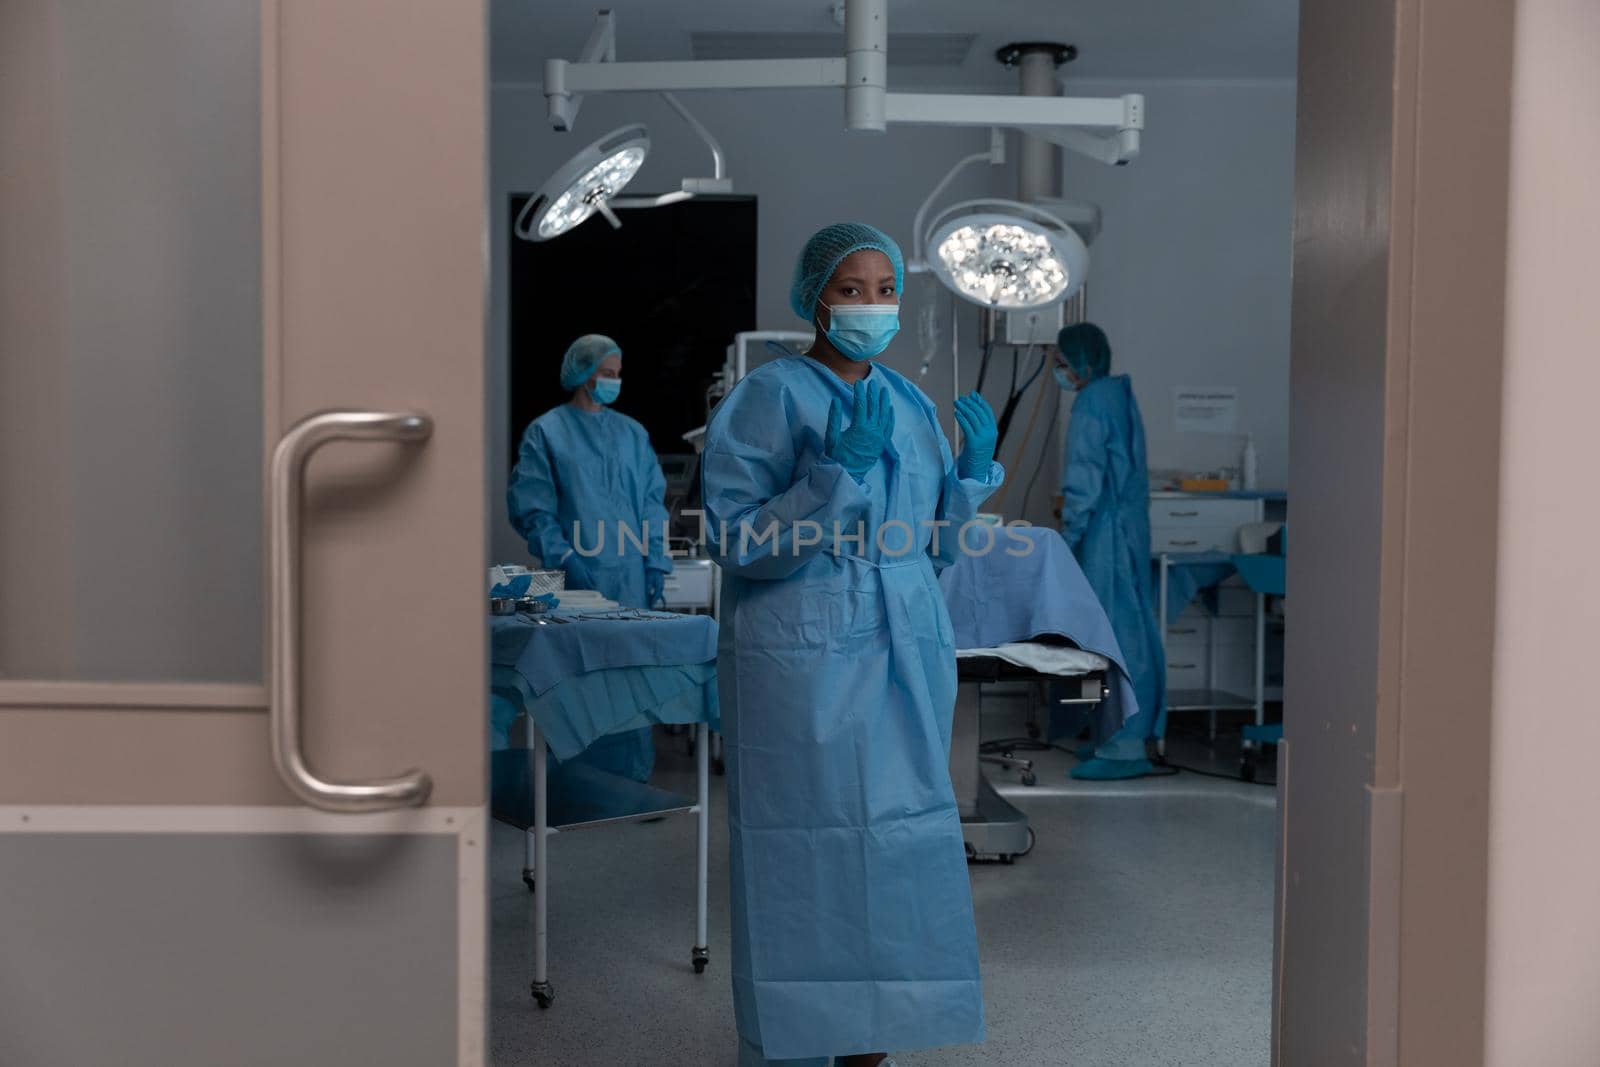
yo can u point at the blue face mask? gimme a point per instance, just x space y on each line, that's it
606 390
1062 379
862 331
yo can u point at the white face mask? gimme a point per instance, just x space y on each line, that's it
862 331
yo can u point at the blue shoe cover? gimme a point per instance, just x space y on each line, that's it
1111 770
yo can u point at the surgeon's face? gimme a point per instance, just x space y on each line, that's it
864 277
610 367
1066 368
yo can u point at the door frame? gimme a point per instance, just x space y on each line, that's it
1403 157
1400 283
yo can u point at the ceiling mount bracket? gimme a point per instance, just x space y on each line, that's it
1010 55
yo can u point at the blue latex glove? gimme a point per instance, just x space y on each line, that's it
578 574
517 586
655 587
857 448
976 419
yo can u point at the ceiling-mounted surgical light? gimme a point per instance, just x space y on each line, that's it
588 183
585 185
999 253
1005 254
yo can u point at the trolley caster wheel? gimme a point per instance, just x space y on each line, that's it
1247 771
528 879
545 994
1029 778
702 957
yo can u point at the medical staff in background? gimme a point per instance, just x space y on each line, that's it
587 491
1105 518
852 918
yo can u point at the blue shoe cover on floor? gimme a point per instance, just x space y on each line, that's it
1111 770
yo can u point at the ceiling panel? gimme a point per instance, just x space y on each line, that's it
1167 39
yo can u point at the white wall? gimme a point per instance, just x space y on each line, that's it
1190 277
1544 872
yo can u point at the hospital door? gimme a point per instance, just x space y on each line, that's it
242 663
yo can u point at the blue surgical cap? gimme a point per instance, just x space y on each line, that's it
1086 350
583 356
826 250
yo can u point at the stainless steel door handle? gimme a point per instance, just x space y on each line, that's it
288 476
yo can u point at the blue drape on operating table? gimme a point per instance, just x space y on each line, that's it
587 709
1008 594
585 681
548 655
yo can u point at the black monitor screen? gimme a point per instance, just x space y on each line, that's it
671 287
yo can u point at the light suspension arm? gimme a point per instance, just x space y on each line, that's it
718 160
861 72
1064 120
717 183
1116 150
1106 129
601 47
995 156
563 79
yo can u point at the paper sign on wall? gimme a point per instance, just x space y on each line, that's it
1205 409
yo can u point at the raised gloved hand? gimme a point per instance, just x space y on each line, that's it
976 419
655 587
578 574
857 448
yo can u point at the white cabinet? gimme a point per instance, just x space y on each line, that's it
1194 539
1211 659
1182 522
1213 662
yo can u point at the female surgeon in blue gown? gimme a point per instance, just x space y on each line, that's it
1105 518
824 478
583 472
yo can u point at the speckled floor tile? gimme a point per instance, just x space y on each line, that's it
1137 934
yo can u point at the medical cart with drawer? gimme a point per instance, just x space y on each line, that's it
1215 662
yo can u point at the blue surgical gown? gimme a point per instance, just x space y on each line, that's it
851 906
1105 519
591 475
